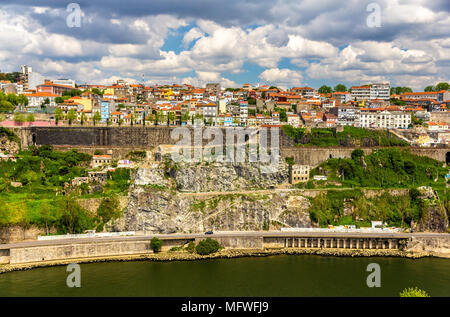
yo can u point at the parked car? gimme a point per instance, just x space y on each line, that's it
209 232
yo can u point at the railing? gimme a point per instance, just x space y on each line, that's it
341 229
87 235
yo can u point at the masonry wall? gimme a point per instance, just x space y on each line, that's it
138 137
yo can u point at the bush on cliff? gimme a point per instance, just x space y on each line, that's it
384 168
73 218
109 209
350 136
156 244
190 247
207 246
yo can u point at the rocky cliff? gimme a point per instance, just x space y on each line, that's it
225 177
178 198
164 211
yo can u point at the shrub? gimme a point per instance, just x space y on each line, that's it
413 292
156 244
109 209
207 246
174 249
191 247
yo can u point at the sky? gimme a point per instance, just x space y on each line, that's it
276 42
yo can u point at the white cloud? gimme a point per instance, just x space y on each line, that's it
282 77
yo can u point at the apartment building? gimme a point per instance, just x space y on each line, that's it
439 96
299 173
384 119
372 91
347 115
305 92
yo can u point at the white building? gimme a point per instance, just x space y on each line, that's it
65 82
372 91
385 119
36 99
293 120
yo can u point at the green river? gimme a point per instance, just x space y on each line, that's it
287 275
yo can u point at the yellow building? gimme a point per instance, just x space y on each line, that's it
86 102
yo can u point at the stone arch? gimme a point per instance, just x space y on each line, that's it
447 158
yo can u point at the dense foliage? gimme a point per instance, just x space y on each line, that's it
350 136
4 132
42 166
207 246
156 244
330 208
42 199
384 168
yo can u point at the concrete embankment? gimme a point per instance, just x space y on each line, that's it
223 254
48 253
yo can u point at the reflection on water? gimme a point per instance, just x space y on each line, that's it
293 275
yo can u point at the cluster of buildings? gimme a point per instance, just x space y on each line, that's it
123 103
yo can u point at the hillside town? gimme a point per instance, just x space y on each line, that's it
30 99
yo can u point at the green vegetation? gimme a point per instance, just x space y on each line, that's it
384 168
190 247
438 87
42 200
4 132
400 90
351 207
350 136
413 292
108 210
207 246
9 101
325 89
340 88
156 244
137 155
282 112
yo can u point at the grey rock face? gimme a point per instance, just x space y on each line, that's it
226 177
166 212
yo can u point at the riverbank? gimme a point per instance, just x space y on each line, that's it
224 254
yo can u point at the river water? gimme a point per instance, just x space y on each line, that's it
286 275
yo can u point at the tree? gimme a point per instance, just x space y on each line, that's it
442 86
325 90
357 154
156 244
97 117
58 115
71 116
72 217
30 117
429 88
207 246
19 118
185 116
109 209
45 103
6 106
340 88
22 100
83 118
97 92
413 292
400 90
